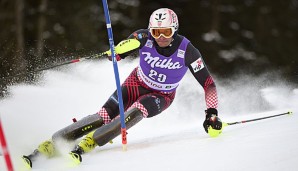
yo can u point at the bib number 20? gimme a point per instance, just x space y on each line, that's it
156 76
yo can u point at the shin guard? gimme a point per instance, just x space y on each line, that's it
79 128
108 132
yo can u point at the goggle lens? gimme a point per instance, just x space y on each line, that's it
165 32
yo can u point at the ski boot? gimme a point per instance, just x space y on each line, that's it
46 148
87 144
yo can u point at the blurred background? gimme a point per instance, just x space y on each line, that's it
248 36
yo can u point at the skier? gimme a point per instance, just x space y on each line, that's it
165 56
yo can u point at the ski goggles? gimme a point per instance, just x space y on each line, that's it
165 32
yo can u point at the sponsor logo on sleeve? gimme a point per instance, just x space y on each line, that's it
149 43
197 65
140 36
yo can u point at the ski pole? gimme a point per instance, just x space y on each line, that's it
123 47
214 133
116 73
5 149
57 65
72 61
257 119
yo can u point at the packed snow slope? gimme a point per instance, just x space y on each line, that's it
172 141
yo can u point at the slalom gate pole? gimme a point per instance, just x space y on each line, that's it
257 119
116 73
5 149
57 65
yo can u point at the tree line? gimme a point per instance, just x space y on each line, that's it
233 36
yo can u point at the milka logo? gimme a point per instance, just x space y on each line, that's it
156 62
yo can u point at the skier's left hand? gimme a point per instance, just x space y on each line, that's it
212 120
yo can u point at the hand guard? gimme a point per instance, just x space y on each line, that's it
125 46
212 120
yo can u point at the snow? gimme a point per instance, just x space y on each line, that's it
172 141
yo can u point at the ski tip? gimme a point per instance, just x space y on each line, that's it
27 162
75 157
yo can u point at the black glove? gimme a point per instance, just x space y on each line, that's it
212 120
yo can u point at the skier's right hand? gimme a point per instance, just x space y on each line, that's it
212 121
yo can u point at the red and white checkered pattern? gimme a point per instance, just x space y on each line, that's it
211 98
105 116
141 107
210 93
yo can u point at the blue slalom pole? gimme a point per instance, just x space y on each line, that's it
116 72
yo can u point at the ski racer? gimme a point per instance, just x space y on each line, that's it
164 58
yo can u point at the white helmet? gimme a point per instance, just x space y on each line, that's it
163 18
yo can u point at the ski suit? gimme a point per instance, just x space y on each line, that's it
151 86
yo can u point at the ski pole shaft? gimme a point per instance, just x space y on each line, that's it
5 149
57 65
116 73
257 119
70 62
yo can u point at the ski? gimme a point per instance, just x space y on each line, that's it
27 162
75 157
98 137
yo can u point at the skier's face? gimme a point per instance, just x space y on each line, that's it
163 42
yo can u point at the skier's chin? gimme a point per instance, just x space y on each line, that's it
163 43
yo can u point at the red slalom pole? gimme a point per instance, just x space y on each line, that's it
5 149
